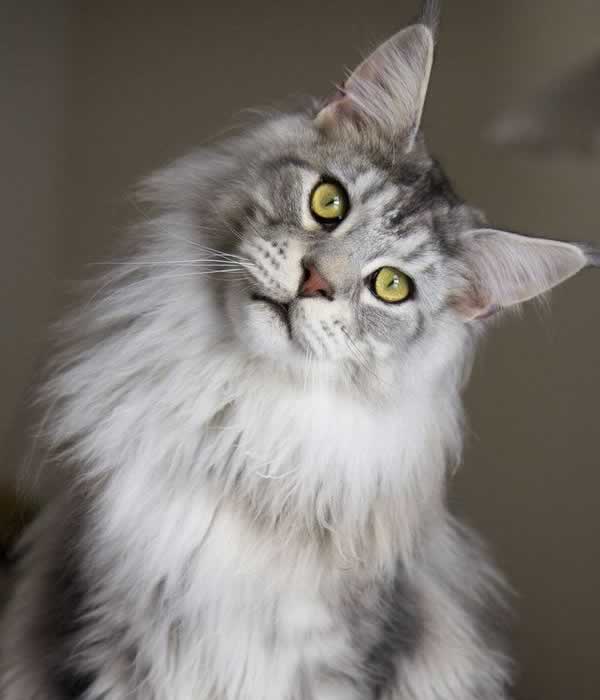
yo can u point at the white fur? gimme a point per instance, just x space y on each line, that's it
228 517
246 493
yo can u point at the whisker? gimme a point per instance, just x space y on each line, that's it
226 271
220 253
359 357
227 225
158 263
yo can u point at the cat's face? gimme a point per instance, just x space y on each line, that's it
346 246
350 250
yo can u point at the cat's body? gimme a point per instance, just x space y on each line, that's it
244 612
260 409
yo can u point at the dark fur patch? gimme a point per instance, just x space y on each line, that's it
400 633
66 598
431 194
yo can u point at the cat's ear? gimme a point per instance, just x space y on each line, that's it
503 269
388 89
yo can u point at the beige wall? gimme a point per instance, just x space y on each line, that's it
147 80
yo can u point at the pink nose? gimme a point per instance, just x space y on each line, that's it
314 284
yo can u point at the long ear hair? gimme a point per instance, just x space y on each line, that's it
388 89
502 269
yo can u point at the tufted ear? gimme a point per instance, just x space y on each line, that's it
388 89
503 269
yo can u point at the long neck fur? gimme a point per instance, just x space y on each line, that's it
174 428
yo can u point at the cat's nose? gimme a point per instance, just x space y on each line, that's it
313 283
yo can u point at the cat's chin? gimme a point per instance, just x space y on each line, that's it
262 327
287 333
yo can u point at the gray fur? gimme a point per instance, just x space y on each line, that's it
258 503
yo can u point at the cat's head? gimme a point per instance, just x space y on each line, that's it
346 245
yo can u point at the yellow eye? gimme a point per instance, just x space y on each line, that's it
391 285
329 202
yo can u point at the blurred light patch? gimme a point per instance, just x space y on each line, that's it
563 117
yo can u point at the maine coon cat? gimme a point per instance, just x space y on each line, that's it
260 407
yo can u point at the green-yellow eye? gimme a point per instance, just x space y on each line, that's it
329 202
391 285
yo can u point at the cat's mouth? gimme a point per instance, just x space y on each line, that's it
281 310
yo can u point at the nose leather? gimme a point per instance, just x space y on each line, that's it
314 284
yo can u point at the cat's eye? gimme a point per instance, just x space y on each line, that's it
391 285
329 202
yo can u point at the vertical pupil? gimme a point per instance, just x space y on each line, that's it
328 201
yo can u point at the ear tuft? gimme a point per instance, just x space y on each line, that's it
430 16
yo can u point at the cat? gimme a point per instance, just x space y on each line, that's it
260 407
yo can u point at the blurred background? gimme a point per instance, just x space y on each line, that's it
98 94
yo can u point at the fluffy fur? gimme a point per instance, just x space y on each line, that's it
257 507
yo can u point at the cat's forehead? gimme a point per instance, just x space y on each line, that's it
397 192
368 165
351 156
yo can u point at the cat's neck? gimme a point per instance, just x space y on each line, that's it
337 475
